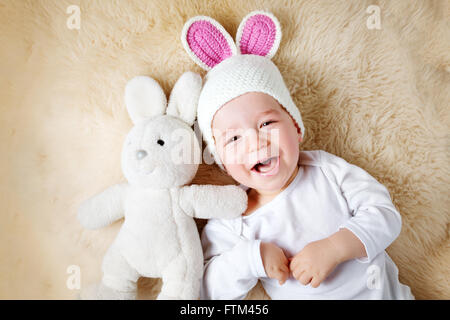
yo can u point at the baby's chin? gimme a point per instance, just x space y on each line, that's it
268 185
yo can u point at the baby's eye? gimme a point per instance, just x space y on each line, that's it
266 123
234 138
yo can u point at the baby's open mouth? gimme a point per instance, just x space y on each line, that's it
267 167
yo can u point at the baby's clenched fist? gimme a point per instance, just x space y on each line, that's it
275 262
315 262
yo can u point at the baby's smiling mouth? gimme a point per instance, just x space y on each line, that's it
267 167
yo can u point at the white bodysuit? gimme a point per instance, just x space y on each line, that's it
327 194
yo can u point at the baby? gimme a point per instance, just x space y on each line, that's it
316 226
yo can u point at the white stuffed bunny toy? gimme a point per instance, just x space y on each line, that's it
159 237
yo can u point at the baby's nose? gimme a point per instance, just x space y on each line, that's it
256 140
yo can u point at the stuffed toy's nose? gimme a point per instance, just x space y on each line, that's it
141 154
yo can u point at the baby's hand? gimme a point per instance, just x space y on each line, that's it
275 262
315 262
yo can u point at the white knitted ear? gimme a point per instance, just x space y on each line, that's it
259 33
144 99
184 97
207 42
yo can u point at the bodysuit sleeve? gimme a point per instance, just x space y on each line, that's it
374 218
232 264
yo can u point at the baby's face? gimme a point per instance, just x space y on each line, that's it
257 141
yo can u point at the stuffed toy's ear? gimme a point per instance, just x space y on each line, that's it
207 42
259 33
144 99
184 97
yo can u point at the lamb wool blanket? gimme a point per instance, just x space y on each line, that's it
371 80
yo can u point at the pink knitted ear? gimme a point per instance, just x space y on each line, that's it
207 42
259 33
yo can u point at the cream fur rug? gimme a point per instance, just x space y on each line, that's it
378 98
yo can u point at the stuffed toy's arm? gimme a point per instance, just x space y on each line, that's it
104 208
209 201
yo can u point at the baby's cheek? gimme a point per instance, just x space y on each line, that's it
233 154
224 156
234 171
289 143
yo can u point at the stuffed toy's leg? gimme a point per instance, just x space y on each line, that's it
118 282
118 276
182 279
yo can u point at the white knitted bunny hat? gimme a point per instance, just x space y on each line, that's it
235 69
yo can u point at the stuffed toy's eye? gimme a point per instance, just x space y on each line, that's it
160 142
141 154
